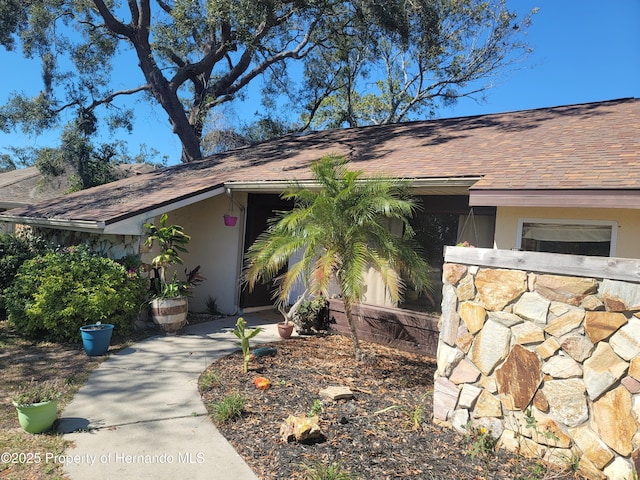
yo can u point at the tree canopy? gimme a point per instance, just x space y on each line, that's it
363 61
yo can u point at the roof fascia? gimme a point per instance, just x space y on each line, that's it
57 223
129 225
133 225
423 185
587 198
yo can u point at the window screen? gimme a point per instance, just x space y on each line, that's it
569 238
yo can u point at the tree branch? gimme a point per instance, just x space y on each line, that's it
111 22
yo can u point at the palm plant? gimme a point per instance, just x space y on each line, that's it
341 230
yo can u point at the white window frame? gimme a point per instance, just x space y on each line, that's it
566 221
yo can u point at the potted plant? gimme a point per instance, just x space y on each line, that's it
311 316
169 303
37 406
285 328
96 338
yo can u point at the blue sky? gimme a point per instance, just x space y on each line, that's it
584 51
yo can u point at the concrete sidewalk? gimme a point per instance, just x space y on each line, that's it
140 414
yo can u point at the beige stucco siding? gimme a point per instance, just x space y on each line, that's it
216 248
628 221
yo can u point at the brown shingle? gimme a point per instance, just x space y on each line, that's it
586 146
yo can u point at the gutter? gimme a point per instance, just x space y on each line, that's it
127 224
280 185
63 224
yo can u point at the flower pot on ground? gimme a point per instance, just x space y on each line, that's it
96 338
37 407
285 329
170 314
169 305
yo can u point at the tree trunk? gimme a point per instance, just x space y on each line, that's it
357 351
165 93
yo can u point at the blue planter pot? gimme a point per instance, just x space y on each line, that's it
96 338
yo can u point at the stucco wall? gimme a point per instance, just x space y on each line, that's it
548 362
628 225
216 248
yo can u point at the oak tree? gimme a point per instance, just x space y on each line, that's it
192 56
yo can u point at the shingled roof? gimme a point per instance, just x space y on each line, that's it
576 148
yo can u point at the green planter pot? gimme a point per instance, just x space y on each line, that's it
96 338
37 417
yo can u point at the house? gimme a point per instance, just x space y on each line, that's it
563 179
27 186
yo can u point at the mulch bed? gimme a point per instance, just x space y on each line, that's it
384 432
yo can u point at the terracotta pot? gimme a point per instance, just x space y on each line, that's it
285 329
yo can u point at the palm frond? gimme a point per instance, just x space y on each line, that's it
339 232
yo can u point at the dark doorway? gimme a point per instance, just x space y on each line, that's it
439 222
260 208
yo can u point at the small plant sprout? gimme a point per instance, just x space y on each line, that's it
319 471
316 408
209 379
245 335
212 306
482 444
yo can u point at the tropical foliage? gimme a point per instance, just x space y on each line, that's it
53 295
339 231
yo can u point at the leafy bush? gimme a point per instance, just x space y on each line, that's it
53 295
14 251
312 316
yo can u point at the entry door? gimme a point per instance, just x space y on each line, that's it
260 208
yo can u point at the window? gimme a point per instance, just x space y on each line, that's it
597 238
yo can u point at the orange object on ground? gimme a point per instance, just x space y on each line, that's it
262 383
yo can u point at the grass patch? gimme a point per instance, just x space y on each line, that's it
227 409
318 471
21 362
209 379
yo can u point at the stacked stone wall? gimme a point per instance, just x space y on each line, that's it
548 363
110 246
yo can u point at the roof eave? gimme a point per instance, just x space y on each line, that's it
565 198
129 224
57 223
420 185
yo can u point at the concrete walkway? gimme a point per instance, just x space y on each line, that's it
140 416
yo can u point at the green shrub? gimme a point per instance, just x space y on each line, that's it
53 295
312 316
14 251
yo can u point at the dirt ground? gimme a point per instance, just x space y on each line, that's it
384 432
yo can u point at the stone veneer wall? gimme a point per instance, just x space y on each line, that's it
110 246
548 362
